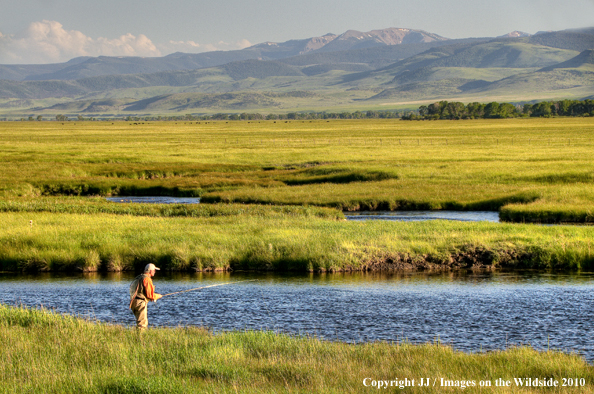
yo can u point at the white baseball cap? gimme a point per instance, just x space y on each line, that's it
150 267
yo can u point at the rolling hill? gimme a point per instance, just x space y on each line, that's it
584 59
85 67
351 70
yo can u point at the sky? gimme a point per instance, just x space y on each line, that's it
52 31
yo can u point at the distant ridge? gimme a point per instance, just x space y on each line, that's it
584 58
111 65
353 39
515 34
293 47
379 67
573 40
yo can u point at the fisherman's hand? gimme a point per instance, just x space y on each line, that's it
157 296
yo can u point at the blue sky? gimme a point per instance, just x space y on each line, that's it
42 31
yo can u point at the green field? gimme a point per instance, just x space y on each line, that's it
544 165
531 170
51 353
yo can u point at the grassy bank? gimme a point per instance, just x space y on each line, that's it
52 353
99 205
533 169
258 238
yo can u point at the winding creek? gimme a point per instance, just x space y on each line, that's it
155 200
413 216
466 216
469 310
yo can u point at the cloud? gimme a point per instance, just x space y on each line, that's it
194 47
48 42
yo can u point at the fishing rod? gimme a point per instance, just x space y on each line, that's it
206 287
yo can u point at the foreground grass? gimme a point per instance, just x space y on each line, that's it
52 353
256 238
532 169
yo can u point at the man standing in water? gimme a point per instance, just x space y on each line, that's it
142 291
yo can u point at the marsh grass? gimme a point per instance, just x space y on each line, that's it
99 205
571 203
337 175
53 353
268 239
355 164
529 169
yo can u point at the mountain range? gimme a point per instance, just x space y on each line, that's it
354 70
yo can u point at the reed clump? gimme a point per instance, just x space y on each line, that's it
54 353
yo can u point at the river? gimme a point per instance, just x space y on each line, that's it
470 311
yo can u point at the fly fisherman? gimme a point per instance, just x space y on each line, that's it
142 291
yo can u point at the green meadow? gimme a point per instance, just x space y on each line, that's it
365 164
273 191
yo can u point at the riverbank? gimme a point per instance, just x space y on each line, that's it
281 239
52 353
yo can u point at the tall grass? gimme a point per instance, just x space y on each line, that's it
569 203
52 353
356 164
262 239
96 205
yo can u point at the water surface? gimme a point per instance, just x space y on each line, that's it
156 200
411 216
470 311
466 216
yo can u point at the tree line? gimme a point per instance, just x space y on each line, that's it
439 110
495 110
385 114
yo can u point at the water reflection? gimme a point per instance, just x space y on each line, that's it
413 216
471 310
155 200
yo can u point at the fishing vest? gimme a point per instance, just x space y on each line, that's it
137 287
